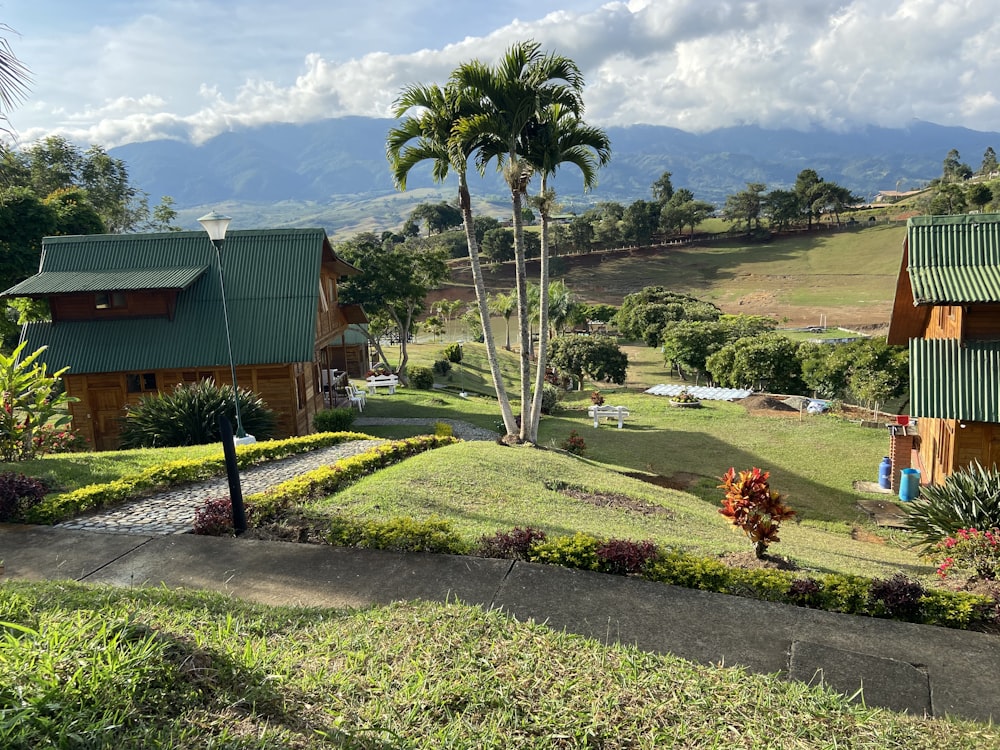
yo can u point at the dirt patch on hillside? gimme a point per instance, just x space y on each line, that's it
615 501
750 561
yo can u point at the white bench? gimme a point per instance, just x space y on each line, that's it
613 412
382 381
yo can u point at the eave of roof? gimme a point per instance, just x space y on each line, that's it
949 380
48 283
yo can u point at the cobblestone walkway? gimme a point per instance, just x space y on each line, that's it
172 512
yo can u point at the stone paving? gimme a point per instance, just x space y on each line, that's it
172 512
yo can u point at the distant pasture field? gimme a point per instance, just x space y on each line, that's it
847 275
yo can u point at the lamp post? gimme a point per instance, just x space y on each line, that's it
215 224
461 369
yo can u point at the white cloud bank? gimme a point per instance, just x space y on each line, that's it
691 64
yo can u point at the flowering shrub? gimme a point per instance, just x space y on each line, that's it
754 506
597 398
970 549
574 444
49 439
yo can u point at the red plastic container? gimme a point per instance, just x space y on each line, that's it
902 419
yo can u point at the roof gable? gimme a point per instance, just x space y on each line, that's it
272 292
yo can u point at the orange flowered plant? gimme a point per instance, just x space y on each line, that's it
753 506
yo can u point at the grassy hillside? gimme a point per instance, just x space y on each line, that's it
847 275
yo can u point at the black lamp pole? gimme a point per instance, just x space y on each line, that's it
216 224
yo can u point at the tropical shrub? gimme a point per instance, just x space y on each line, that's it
577 551
441 367
189 414
574 444
29 399
50 439
897 597
215 517
597 398
753 506
624 557
968 499
453 353
550 398
421 378
970 549
334 420
18 493
443 429
515 544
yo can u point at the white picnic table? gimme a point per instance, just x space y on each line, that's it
612 412
382 381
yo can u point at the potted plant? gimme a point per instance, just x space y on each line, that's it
684 399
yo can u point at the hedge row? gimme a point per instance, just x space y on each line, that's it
60 507
328 479
897 598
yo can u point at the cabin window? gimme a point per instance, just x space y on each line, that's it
141 382
109 300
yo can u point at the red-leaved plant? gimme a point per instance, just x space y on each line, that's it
753 506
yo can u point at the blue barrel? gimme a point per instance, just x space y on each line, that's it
885 473
909 484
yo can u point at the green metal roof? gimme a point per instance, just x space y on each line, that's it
952 381
954 259
66 282
272 290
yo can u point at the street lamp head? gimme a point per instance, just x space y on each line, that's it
216 225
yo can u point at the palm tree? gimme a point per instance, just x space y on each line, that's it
504 305
561 138
429 135
512 98
14 78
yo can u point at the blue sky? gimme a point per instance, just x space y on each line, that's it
117 71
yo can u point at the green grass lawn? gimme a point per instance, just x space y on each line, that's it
152 668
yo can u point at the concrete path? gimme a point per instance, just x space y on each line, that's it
905 667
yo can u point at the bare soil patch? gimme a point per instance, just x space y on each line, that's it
616 501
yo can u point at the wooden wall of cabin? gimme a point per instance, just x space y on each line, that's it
947 445
291 391
945 322
982 323
136 304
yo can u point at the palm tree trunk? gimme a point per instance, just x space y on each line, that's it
521 283
510 424
543 318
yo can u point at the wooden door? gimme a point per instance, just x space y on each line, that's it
107 407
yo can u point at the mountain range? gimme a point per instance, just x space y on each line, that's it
333 173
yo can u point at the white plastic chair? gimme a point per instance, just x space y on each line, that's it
356 397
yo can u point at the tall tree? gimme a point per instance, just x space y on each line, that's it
989 165
745 206
560 138
428 132
512 98
394 279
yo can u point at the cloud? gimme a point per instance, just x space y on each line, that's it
689 64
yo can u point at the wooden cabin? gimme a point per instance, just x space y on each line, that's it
947 309
133 315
